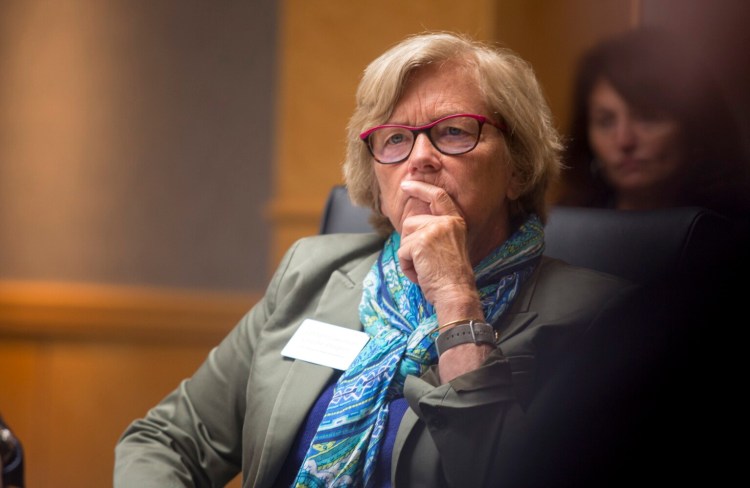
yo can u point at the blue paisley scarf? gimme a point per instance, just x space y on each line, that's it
403 327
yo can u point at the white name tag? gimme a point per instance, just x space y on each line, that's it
329 345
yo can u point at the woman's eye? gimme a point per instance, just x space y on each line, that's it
452 131
395 139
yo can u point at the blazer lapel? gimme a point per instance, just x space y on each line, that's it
338 305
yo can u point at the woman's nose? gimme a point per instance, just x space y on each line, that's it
625 135
424 156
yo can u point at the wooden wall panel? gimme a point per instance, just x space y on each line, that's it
81 362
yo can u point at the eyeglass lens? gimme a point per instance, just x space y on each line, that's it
456 135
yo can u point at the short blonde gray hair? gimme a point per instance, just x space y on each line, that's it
510 89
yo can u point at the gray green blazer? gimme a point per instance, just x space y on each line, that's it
242 408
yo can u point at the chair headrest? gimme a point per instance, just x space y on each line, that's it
637 245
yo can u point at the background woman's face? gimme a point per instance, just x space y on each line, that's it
637 151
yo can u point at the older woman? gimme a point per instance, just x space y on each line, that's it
452 147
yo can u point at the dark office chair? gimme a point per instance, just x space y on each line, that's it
637 245
11 458
340 215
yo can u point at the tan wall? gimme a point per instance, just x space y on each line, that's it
135 142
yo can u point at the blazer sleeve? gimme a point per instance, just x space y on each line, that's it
466 427
464 420
193 437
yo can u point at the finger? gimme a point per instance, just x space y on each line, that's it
437 198
407 264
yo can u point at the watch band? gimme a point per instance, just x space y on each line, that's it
474 331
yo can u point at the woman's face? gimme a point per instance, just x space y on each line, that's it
479 182
638 153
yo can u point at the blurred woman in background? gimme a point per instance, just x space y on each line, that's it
651 129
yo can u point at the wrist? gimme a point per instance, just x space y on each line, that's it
451 313
457 302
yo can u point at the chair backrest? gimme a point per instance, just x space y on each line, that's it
637 245
341 215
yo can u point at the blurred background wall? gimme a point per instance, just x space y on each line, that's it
135 141
158 157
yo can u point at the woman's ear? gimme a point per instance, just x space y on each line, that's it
513 192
